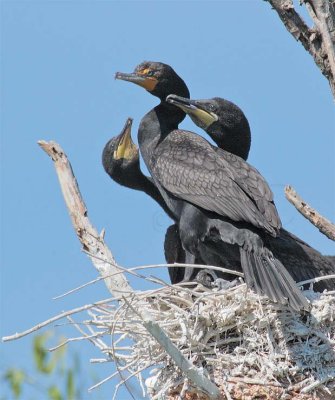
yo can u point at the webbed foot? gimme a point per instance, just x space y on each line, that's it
209 279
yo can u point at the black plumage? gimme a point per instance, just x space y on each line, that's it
230 129
190 174
120 159
221 119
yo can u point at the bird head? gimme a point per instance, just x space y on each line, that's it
120 153
223 120
157 78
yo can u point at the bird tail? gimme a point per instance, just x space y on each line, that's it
266 275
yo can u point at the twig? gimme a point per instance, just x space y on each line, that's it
78 288
313 40
175 265
253 382
184 389
136 373
226 392
316 384
87 234
190 371
130 270
113 352
99 360
125 367
317 279
76 339
95 341
324 226
53 319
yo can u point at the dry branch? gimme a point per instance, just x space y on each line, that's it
323 15
54 319
318 41
102 257
324 226
116 283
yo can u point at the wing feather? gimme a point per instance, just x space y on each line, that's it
190 168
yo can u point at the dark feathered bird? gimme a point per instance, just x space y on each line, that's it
228 126
120 159
220 119
212 200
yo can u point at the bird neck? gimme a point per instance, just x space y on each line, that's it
133 178
156 125
148 187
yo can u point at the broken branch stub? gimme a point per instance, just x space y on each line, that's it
102 258
324 226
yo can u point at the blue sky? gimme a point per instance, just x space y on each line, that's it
57 76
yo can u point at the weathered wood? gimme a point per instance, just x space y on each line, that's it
318 41
92 242
324 226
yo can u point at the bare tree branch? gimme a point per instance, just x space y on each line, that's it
53 319
92 242
104 262
319 10
324 226
319 40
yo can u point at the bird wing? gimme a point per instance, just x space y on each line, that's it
255 186
190 168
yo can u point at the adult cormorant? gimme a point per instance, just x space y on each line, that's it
221 119
120 160
212 200
218 118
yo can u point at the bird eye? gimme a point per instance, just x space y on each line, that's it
212 107
150 72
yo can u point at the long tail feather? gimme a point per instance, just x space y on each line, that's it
267 276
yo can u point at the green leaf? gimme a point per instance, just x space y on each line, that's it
76 364
60 353
54 393
15 378
41 354
70 388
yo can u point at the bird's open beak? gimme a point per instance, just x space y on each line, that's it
182 102
194 109
147 82
126 147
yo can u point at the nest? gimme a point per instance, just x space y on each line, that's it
250 347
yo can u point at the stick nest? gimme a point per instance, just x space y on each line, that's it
250 347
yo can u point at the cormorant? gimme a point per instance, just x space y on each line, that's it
120 159
211 199
221 119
